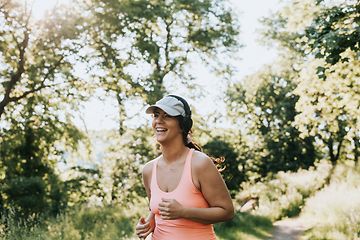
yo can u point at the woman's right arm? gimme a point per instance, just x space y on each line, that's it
145 226
146 177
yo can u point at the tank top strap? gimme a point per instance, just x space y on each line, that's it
153 182
188 157
187 167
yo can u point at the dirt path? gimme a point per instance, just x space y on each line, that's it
288 229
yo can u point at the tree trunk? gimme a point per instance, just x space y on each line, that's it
356 150
122 114
334 156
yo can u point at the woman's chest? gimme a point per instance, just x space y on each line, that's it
169 178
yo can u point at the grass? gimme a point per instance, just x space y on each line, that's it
109 223
105 223
244 226
284 195
330 211
334 212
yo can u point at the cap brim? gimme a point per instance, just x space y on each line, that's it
165 108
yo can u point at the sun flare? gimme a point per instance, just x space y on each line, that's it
41 7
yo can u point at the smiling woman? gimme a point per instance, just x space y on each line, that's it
186 192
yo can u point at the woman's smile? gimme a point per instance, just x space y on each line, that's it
160 130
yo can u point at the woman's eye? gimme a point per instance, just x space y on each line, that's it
163 116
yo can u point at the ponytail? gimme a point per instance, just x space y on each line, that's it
191 144
217 161
186 123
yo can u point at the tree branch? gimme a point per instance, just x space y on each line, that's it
4 4
15 78
42 85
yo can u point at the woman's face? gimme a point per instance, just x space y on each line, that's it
165 127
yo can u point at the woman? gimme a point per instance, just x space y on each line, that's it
186 191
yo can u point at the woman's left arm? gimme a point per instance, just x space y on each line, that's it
214 190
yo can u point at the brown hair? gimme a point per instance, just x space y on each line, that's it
186 124
188 142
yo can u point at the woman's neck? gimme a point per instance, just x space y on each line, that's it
173 152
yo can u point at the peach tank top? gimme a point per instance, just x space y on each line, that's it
187 195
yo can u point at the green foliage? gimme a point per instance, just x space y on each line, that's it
232 174
244 226
84 186
158 37
37 56
325 37
39 89
28 193
275 111
29 151
268 113
285 194
112 222
130 153
333 212
329 108
320 28
80 223
335 30
103 223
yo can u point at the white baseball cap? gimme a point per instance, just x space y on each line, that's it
170 105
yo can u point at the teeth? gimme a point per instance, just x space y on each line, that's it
160 129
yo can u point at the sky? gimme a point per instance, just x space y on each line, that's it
97 115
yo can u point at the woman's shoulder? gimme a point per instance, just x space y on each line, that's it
201 160
147 169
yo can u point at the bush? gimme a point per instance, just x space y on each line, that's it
83 223
334 212
285 195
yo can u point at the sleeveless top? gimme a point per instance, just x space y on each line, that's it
188 196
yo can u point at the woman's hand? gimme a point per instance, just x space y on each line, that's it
145 226
170 209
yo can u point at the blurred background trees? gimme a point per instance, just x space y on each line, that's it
141 46
294 119
39 88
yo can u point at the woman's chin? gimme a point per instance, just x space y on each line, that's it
160 138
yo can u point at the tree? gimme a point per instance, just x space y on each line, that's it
29 151
328 40
141 44
38 90
83 186
268 112
36 56
329 108
130 153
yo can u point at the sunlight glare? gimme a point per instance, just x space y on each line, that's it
40 7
